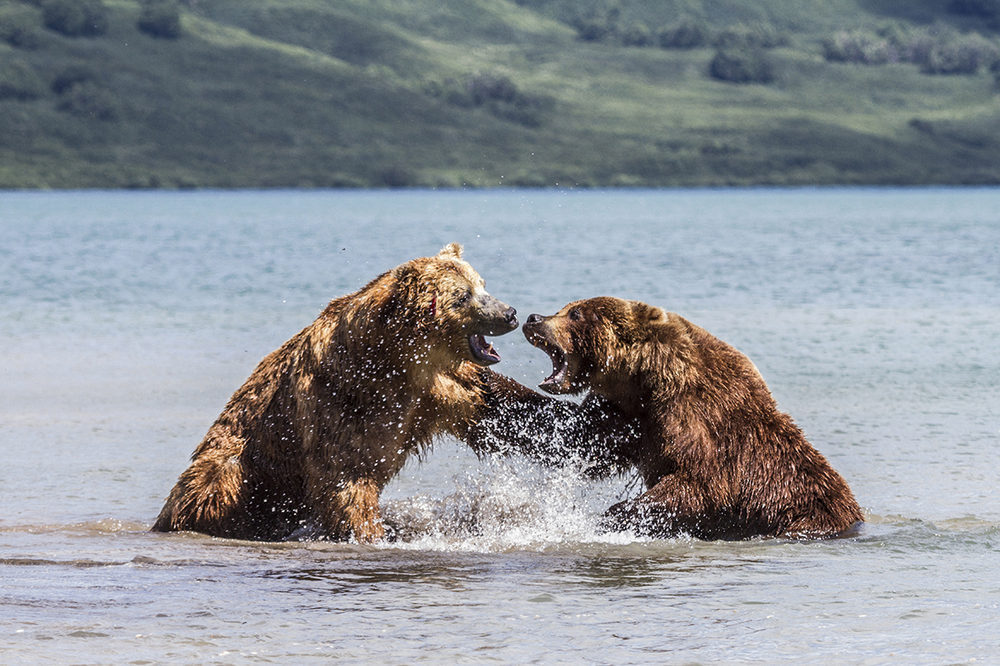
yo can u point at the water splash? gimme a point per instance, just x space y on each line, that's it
510 505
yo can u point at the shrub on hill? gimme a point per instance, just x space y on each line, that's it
637 34
937 49
82 94
495 92
593 30
397 176
160 18
749 65
755 35
859 46
88 99
19 81
963 56
600 23
684 35
483 88
75 18
71 76
695 34
19 26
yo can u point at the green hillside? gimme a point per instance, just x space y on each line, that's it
452 93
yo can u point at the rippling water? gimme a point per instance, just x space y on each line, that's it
127 320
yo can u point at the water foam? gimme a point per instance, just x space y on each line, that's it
511 504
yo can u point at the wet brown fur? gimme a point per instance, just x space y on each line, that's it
306 445
717 457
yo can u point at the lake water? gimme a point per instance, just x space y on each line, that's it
128 319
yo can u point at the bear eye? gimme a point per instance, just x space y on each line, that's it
575 314
463 298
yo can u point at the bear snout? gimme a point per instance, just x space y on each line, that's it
511 316
533 319
499 318
507 320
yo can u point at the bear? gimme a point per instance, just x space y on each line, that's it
718 459
304 448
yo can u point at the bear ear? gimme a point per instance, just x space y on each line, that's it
644 313
451 250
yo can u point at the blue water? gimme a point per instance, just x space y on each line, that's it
127 320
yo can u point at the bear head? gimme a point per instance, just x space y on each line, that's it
451 309
594 342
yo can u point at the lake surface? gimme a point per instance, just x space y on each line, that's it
128 319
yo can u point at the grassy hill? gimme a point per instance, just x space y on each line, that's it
452 93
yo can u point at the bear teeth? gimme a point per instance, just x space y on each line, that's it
559 365
482 350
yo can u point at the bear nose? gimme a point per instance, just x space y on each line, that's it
533 319
511 316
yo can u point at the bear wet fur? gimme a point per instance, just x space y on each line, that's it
718 459
307 444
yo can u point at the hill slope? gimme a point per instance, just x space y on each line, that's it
286 93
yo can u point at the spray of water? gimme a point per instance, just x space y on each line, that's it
506 504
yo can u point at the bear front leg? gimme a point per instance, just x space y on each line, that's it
362 518
357 515
347 510
673 506
513 418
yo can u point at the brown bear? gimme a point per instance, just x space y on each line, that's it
718 459
306 445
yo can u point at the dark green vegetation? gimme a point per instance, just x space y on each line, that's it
358 93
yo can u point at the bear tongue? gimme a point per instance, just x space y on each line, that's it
559 366
483 350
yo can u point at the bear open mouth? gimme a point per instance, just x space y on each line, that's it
560 364
482 350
